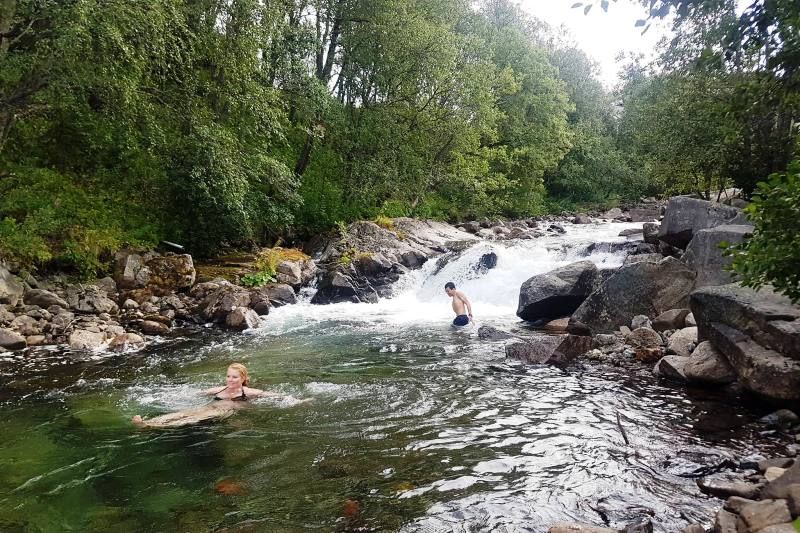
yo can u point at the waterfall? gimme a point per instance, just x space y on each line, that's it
419 297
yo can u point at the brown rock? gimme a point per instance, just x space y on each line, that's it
559 325
159 318
772 473
735 504
779 462
126 341
779 528
151 327
756 516
644 338
779 489
694 528
793 500
564 527
725 522
26 325
35 340
550 349
649 355
43 299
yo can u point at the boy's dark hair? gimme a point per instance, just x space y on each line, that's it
450 285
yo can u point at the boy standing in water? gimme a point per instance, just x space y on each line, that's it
461 305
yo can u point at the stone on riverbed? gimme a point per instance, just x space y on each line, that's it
644 337
564 527
12 340
672 367
722 488
242 318
10 288
707 365
558 292
44 299
671 319
550 349
90 299
152 327
758 515
82 339
489 333
682 341
637 289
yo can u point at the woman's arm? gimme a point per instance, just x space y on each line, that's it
258 393
213 391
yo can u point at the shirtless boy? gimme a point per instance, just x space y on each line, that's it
461 305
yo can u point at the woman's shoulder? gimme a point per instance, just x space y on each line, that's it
250 391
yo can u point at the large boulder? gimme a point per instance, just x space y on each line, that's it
277 294
638 289
707 365
160 273
44 299
219 304
686 216
90 299
550 349
704 255
650 232
671 367
11 288
11 340
671 319
646 214
337 286
768 318
558 292
289 273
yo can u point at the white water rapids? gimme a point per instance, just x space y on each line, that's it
419 297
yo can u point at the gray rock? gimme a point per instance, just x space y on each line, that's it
707 365
278 294
759 515
550 349
671 319
26 325
373 264
630 232
90 300
671 367
152 327
339 287
581 219
222 301
760 370
11 289
650 232
793 499
161 273
638 289
689 321
614 212
704 255
645 214
779 528
681 341
781 418
768 318
694 528
558 292
83 339
722 488
489 333
642 258
44 299
289 273
640 321
242 318
106 284
11 340
686 216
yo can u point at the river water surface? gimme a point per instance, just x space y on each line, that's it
413 426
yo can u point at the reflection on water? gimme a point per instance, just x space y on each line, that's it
414 427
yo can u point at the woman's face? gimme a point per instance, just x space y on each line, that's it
233 378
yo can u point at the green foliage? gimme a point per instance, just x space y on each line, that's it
772 254
256 279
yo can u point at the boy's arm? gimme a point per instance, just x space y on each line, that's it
466 302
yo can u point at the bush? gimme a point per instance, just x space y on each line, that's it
266 264
772 254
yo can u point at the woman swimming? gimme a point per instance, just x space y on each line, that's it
226 402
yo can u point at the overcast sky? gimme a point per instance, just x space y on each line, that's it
602 35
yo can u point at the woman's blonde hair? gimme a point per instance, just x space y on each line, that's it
240 368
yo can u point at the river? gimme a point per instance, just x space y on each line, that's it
413 426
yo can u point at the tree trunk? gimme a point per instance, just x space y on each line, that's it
7 10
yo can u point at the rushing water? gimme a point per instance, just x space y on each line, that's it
413 426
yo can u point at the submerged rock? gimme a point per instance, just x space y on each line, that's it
558 292
489 333
550 349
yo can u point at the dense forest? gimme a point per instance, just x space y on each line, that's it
217 123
